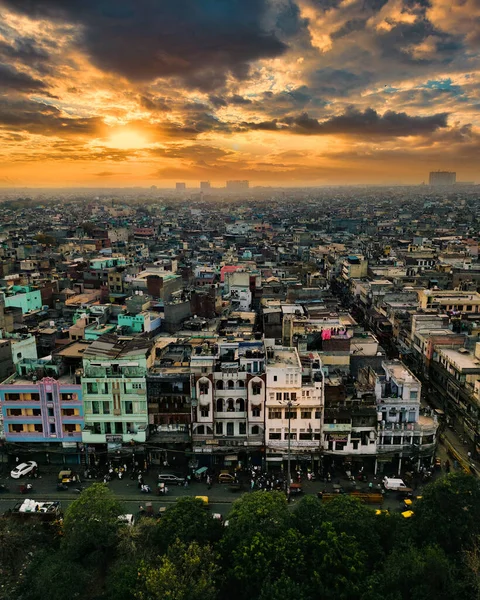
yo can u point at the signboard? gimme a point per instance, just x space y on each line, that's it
114 439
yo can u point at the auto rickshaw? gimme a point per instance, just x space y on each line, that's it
408 514
204 499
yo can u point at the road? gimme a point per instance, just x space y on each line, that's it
126 490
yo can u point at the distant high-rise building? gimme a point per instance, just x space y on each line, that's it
180 187
442 178
237 185
205 185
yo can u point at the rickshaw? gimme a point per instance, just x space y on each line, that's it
204 500
295 489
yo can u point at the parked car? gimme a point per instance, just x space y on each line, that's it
23 469
226 478
171 479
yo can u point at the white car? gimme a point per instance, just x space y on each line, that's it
23 469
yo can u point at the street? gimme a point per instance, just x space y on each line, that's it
220 496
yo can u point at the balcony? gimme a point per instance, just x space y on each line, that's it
231 393
23 419
171 433
296 444
231 414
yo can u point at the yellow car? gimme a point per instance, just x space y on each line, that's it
408 514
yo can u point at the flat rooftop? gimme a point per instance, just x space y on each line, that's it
462 360
400 372
282 358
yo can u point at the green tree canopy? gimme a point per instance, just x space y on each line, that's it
448 513
186 572
91 524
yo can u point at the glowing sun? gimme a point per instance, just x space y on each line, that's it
127 139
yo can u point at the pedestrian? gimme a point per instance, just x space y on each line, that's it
469 454
125 467
186 483
252 483
120 474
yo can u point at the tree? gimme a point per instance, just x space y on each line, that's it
411 573
308 515
55 577
449 513
351 516
188 521
260 560
335 563
91 524
186 572
256 513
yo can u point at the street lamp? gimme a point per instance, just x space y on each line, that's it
289 404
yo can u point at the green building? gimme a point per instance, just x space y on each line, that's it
24 297
114 390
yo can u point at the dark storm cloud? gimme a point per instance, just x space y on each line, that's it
13 80
35 117
353 122
199 41
339 82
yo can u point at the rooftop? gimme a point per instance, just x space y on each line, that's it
281 358
399 372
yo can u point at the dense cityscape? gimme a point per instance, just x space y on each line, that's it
178 350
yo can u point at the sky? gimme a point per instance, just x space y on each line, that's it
108 93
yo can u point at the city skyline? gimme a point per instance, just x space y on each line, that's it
277 92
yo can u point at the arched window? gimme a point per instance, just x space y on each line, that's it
204 386
255 430
200 430
219 405
241 383
230 384
240 402
230 405
219 384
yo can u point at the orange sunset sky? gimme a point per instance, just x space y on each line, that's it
283 92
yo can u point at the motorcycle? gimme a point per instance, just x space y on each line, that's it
62 487
145 489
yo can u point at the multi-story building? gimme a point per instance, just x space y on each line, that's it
294 399
452 301
229 397
169 401
115 391
403 432
40 405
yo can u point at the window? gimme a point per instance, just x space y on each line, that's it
95 409
242 428
230 405
204 411
38 428
92 388
293 396
275 378
305 436
240 405
291 415
340 446
279 396
355 444
230 384
274 436
50 412
200 430
255 430
49 397
274 413
241 383
286 396
135 386
219 385
106 408
230 428
19 355
256 411
204 387
128 407
256 389
306 414
219 405
219 428
413 395
293 435
118 427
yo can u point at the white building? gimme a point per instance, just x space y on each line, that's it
402 431
295 395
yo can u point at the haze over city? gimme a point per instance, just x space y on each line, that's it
280 92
